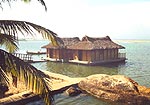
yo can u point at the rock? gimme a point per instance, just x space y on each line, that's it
133 99
116 88
144 90
72 91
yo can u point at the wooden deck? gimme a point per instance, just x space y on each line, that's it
121 59
35 53
98 62
25 57
53 59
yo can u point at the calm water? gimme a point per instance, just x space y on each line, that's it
137 67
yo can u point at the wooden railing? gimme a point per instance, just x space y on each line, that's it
25 57
122 55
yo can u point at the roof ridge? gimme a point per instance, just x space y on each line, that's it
92 39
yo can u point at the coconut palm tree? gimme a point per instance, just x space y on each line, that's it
9 64
33 78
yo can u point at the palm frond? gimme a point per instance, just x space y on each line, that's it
33 78
3 77
43 3
12 27
9 42
9 2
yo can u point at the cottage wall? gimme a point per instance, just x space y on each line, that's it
105 54
108 54
92 55
89 58
50 52
101 55
97 55
70 54
54 53
112 54
65 55
75 55
47 52
116 53
60 53
84 58
88 55
83 55
57 53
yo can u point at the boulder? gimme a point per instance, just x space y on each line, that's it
144 90
115 88
72 91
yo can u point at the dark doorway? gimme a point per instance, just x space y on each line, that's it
51 53
80 55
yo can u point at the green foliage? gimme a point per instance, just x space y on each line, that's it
9 42
9 64
12 27
3 77
33 78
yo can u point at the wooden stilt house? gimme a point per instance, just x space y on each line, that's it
60 53
86 51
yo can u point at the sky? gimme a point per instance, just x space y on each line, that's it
119 19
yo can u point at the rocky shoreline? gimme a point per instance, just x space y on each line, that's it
113 89
116 89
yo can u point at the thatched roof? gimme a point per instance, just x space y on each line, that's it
91 39
89 43
63 42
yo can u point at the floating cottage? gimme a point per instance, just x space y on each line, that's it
89 51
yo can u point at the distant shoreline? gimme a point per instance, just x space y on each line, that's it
132 40
115 40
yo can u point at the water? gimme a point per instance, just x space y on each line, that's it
137 67
32 46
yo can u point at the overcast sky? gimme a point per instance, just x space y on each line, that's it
120 19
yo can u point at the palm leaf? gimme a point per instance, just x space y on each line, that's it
34 78
9 1
12 27
9 42
3 77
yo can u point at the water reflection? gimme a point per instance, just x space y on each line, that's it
74 70
63 99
